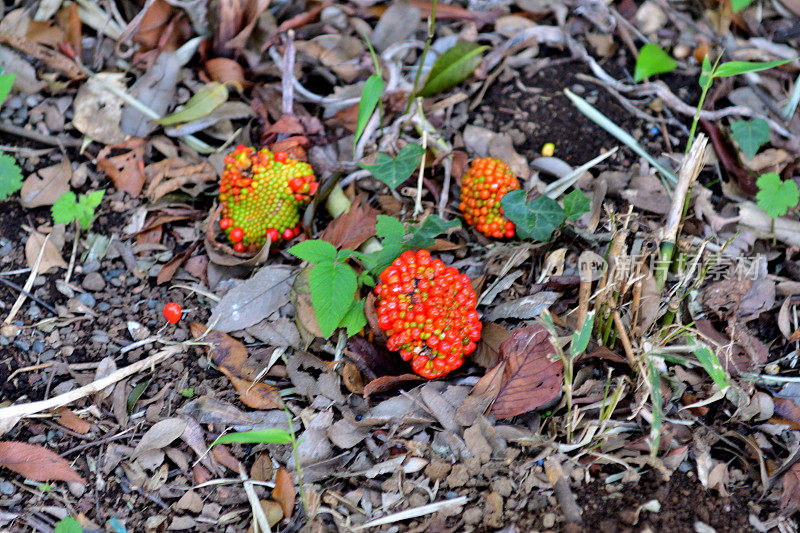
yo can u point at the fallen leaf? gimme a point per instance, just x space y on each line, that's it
253 300
790 495
283 492
223 70
172 266
26 80
156 89
98 111
384 383
223 350
175 173
531 378
488 352
351 229
36 462
160 435
255 395
224 457
280 332
262 467
526 307
70 420
125 170
273 512
48 56
46 185
51 258
373 361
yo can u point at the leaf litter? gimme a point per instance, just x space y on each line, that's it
688 368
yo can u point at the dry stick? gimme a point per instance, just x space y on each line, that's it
287 87
29 295
564 496
687 175
41 137
261 522
9 416
623 337
418 199
28 284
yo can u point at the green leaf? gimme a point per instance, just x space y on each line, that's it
537 219
260 436
423 235
333 287
750 135
705 72
389 228
712 365
370 96
6 81
395 171
738 5
657 404
580 339
652 60
314 251
733 68
576 204
10 176
68 525
136 393
94 198
209 97
452 67
355 319
65 209
775 196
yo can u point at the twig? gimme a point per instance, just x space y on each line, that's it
413 513
287 88
10 415
623 337
40 137
447 163
73 254
29 295
564 495
258 512
418 199
28 284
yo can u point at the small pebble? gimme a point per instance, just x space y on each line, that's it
103 307
4 341
47 355
7 488
34 311
38 347
548 520
91 266
86 299
93 282
22 345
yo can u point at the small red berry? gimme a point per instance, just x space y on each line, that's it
236 234
225 222
173 312
280 157
239 247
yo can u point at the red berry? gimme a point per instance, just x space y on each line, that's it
173 312
225 222
236 234
428 313
280 157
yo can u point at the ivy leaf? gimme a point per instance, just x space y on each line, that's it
314 251
750 135
775 196
537 219
389 228
333 287
452 67
65 209
6 81
370 96
10 176
423 235
652 60
395 171
355 319
576 204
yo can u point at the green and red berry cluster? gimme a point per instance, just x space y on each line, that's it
428 312
482 187
261 194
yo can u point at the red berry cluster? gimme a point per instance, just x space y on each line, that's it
261 194
428 312
483 186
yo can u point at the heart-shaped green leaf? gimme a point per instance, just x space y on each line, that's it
537 219
209 97
394 171
652 60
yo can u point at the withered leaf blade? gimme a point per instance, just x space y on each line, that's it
36 462
531 377
253 300
350 230
283 492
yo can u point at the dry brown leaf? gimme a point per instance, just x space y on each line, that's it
225 70
488 351
44 32
531 377
125 170
237 18
786 412
255 395
46 185
36 462
283 492
49 57
70 420
790 495
384 383
352 378
69 20
162 27
51 258
225 352
160 435
294 146
351 229
174 173
262 467
223 456
172 266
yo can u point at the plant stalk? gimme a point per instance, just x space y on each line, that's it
428 41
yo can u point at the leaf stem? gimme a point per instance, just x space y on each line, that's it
431 21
